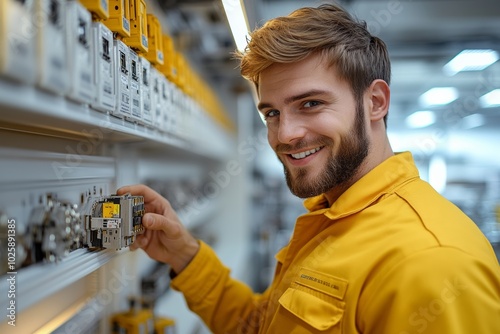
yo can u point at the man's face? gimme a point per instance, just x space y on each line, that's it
315 126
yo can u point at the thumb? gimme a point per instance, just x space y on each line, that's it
154 221
157 222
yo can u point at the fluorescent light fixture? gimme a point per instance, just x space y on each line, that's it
236 16
491 99
438 96
421 119
473 121
471 60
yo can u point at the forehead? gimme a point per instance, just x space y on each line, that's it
312 72
289 71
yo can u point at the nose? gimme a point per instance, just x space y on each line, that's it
290 128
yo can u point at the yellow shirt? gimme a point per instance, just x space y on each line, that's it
390 256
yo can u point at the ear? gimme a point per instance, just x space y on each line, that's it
380 98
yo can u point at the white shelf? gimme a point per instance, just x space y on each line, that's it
38 281
28 108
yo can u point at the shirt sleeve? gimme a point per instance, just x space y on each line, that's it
224 304
439 290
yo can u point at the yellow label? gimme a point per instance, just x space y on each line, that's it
116 210
108 210
333 286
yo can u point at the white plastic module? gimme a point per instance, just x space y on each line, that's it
156 98
176 121
17 56
51 45
147 114
78 39
102 51
135 78
122 80
165 103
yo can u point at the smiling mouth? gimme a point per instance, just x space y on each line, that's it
302 155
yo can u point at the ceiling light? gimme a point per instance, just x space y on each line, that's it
471 60
235 13
438 96
491 99
473 121
421 119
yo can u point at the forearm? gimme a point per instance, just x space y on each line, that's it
224 304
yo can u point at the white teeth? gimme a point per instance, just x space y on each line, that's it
302 155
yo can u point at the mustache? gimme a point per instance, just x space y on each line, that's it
285 148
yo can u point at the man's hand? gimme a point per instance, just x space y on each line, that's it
165 239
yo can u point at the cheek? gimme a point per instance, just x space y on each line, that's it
272 138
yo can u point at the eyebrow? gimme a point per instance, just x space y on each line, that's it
288 100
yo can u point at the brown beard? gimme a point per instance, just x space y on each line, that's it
340 168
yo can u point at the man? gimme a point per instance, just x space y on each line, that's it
379 250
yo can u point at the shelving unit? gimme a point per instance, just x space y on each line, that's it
53 145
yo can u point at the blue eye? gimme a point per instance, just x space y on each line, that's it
271 113
310 104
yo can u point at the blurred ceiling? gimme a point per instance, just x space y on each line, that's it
422 36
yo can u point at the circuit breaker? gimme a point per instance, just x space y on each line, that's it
156 98
147 114
135 79
168 68
167 106
17 56
98 8
119 17
114 221
138 39
102 51
51 45
80 59
155 40
122 79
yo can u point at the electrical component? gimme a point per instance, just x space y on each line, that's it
51 45
119 17
155 47
134 321
166 108
98 8
169 73
138 39
55 229
114 221
78 23
11 251
140 320
167 67
164 325
122 78
147 115
17 58
135 79
156 98
102 50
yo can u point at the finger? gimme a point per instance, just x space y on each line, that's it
154 201
134 189
157 222
140 242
